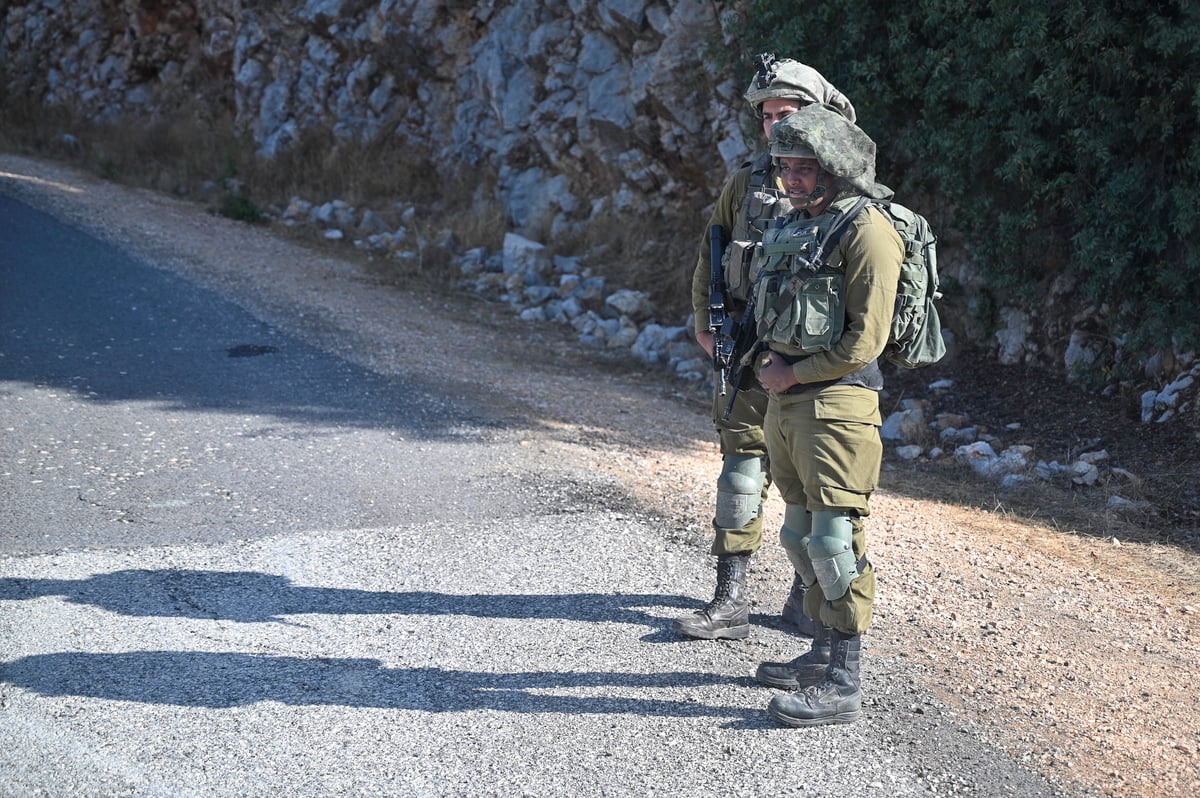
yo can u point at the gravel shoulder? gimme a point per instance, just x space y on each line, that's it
1075 652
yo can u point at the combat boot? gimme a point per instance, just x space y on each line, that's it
837 698
727 616
793 609
804 671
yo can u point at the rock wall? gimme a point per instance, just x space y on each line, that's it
577 105
573 108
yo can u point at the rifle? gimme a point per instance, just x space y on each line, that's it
720 323
746 347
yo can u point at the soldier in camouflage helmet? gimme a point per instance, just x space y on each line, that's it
825 325
750 199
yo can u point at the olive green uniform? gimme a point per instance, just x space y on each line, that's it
822 435
741 210
748 200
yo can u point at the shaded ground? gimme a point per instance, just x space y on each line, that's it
1060 420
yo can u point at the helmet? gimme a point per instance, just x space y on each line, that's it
840 146
788 79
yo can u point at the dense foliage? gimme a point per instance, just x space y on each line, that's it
1060 136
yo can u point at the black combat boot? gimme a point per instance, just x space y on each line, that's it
728 614
793 609
835 699
804 671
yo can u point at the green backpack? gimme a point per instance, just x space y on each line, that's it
916 338
916 335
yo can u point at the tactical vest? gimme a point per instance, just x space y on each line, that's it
799 305
758 209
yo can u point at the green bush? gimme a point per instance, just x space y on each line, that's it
237 206
1052 136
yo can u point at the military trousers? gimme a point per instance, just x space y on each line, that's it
825 454
741 435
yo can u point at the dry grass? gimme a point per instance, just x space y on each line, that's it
177 154
206 160
649 253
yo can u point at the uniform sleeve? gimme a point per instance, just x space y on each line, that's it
872 253
724 213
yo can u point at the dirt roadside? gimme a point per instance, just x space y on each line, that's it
1074 652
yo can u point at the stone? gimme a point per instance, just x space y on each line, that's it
523 256
634 304
906 426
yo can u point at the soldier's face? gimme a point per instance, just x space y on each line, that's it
774 110
799 177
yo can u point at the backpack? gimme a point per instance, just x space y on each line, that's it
916 338
916 335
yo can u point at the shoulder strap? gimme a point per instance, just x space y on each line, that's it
831 239
750 205
761 168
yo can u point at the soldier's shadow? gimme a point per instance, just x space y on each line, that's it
255 597
228 679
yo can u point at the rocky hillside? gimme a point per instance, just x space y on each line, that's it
571 115
579 106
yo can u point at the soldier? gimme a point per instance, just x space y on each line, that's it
824 329
750 199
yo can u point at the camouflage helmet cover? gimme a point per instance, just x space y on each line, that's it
839 145
792 80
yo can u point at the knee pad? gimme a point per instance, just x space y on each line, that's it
794 536
831 549
739 491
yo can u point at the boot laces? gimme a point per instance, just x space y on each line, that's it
822 690
720 598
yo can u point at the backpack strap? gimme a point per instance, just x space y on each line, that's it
831 239
760 170
761 167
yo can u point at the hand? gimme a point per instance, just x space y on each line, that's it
705 339
775 374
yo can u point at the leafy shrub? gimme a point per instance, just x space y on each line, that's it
238 206
1057 136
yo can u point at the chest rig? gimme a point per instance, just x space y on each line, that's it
799 294
762 205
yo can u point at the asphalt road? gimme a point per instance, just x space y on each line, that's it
233 563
